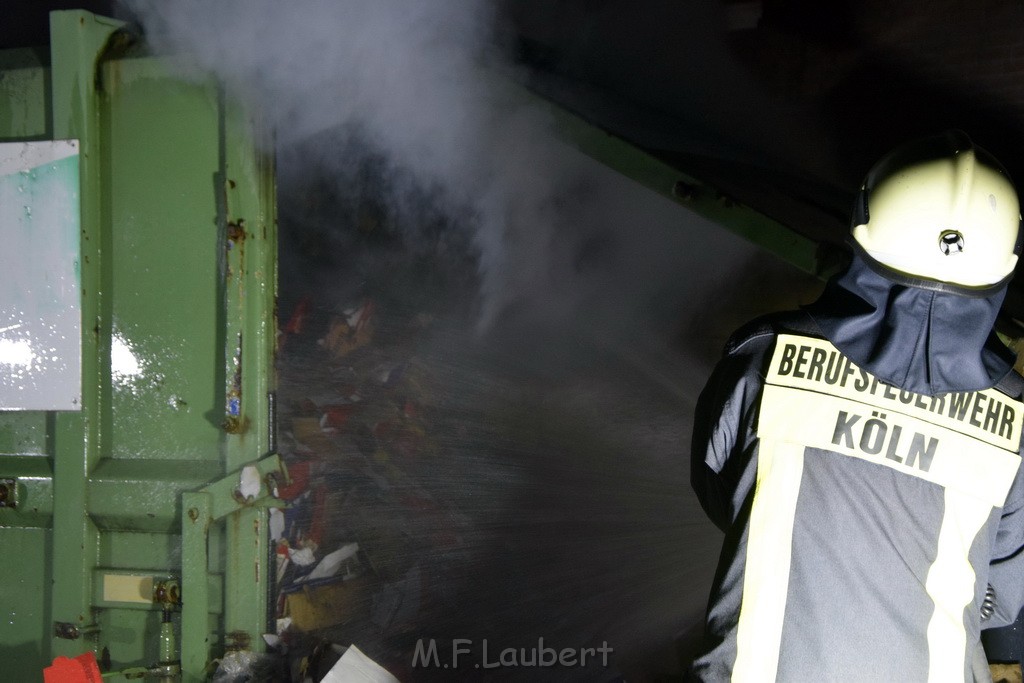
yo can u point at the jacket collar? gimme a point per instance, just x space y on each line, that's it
923 340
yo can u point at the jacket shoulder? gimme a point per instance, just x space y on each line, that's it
764 329
1012 385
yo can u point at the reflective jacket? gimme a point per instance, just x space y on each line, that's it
864 520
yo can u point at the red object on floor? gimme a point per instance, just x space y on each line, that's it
298 320
81 669
298 472
316 527
335 416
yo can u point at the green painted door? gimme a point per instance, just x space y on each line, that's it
177 277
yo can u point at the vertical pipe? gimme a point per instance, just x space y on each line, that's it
168 662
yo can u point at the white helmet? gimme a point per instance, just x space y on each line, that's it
941 209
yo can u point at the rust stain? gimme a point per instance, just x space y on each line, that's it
236 231
256 544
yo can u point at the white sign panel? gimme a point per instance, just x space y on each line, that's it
40 277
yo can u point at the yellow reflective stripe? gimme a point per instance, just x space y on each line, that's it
967 443
901 442
950 584
769 549
816 365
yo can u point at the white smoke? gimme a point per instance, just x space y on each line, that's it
417 83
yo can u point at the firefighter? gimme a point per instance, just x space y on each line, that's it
862 454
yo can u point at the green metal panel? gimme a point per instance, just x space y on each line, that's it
25 95
178 278
25 600
161 139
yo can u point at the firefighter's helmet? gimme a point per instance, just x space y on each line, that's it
940 210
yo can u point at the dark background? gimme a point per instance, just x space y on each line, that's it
783 97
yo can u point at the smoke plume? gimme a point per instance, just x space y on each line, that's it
403 153
414 83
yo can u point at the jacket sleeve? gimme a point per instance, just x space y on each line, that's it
724 445
1006 571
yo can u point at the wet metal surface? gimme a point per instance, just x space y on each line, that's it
40 308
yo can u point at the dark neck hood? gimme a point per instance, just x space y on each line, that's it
926 341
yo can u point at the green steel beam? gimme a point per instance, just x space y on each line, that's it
226 495
143 495
249 230
223 499
196 645
686 190
78 42
689 192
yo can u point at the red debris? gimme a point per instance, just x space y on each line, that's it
81 669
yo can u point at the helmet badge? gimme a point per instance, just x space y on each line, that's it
951 242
